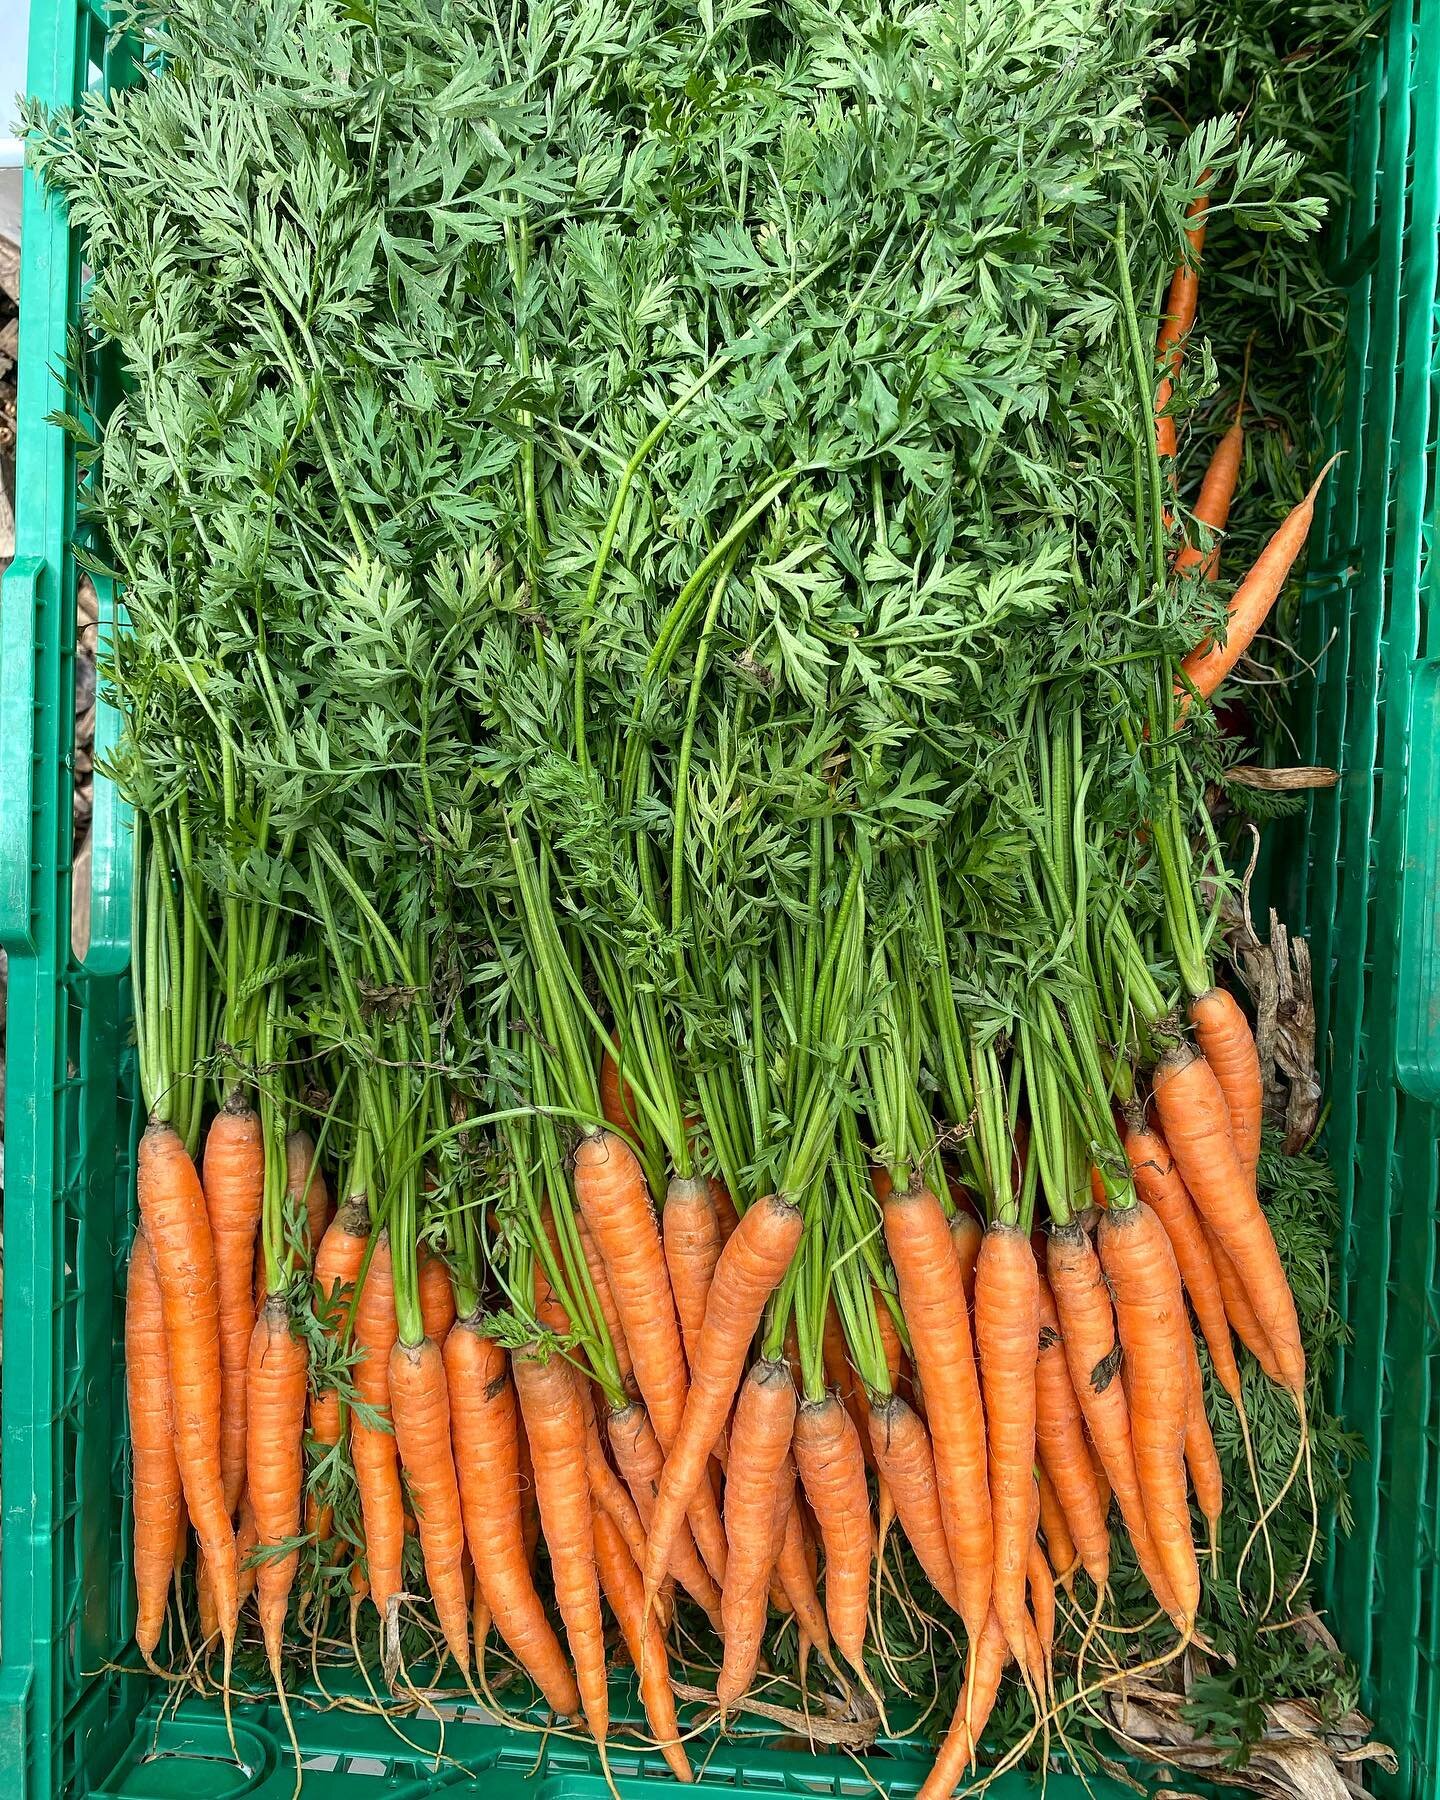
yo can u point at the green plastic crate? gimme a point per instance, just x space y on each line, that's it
1363 880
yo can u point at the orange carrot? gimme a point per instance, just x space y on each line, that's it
1196 1121
840 1375
1059 1544
1007 1335
155 1474
1041 1582
279 1362
641 1463
337 1269
205 1601
617 1097
1228 1045
529 1505
182 1528
1206 1477
832 1469
1064 1455
234 1181
605 1300
555 1425
247 1536
172 1205
750 1268
610 1187
1087 1325
784 1506
486 1441
726 1216
1155 1336
325 1430
420 1407
437 1296
971 1715
1102 1480
1180 308
931 1290
1209 663
904 1457
1158 1183
305 1188
691 1229
548 1310
889 1338
1217 490
759 1445
608 1494
1239 1311
644 1638
795 1569
967 1234
372 1444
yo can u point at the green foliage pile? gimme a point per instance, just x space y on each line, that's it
643 517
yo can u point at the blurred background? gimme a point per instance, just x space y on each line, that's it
13 21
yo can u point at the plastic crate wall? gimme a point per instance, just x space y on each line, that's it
68 1079
1366 884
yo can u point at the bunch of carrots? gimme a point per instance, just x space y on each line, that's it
691 1106
733 1397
